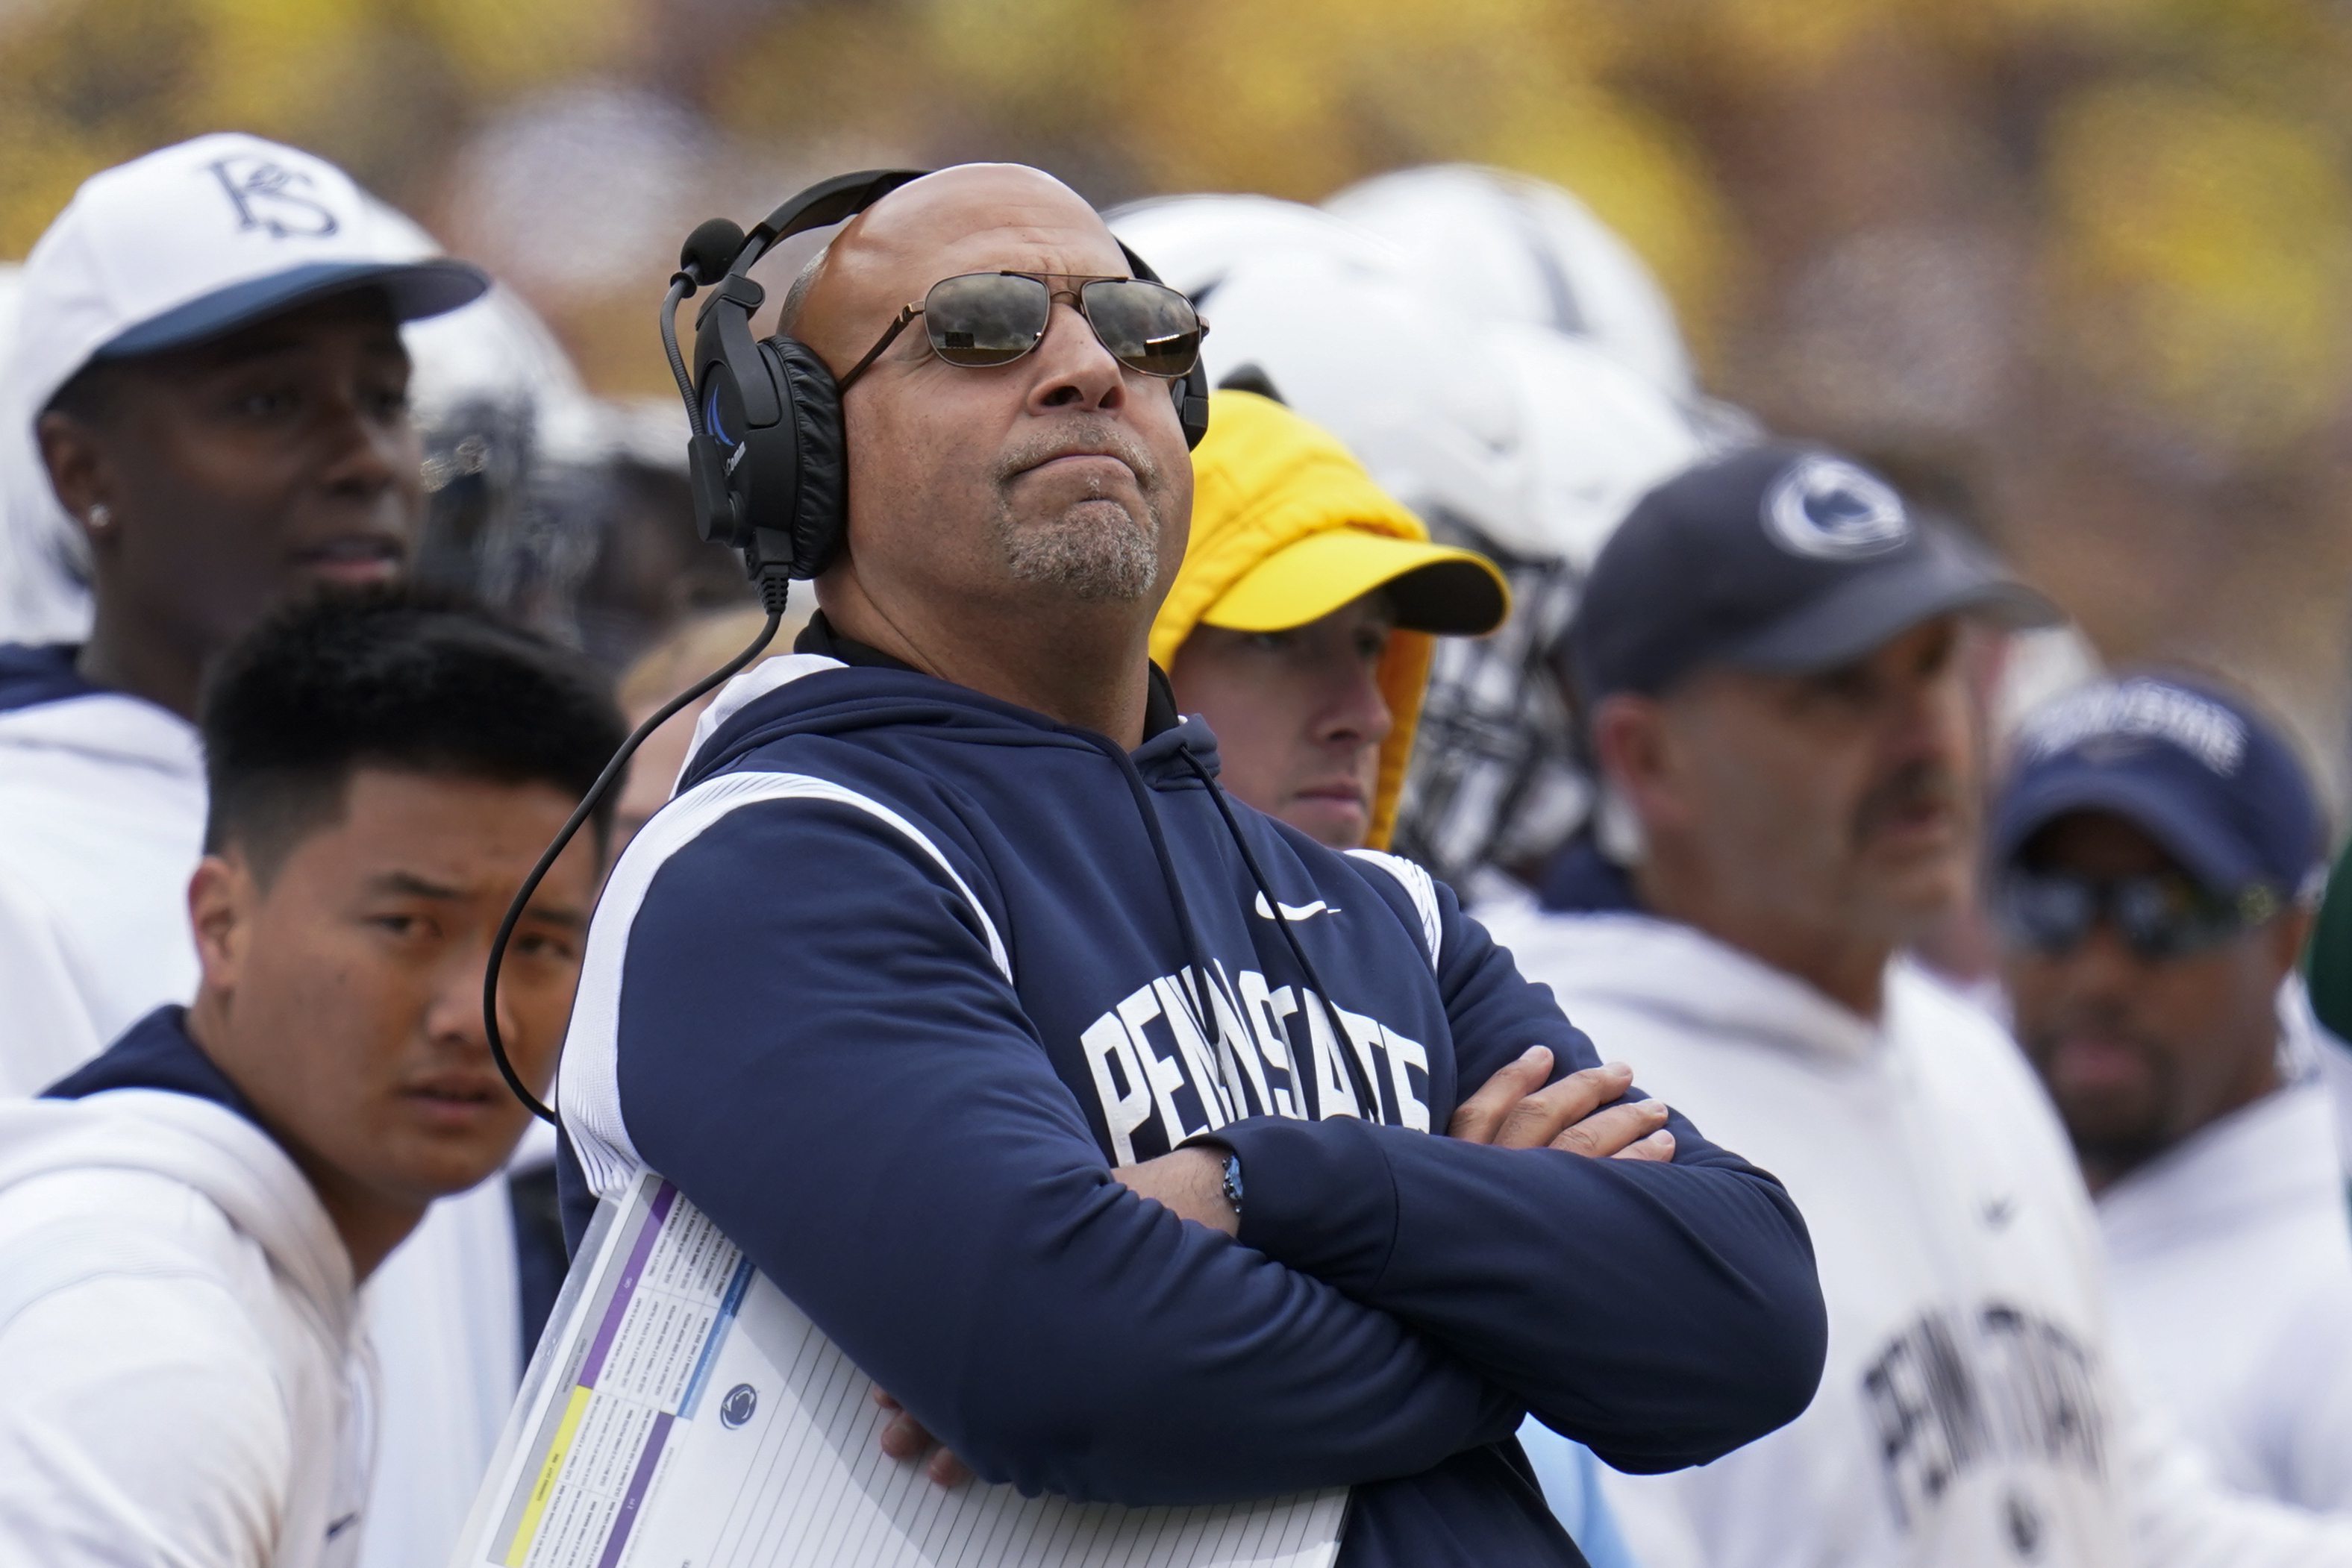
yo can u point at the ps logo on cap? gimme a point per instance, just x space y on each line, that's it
1828 509
266 198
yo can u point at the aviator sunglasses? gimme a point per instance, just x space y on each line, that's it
2158 917
981 319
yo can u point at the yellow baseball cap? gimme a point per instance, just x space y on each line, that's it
1287 527
1434 588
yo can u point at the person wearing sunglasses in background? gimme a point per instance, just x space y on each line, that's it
1088 1111
2156 849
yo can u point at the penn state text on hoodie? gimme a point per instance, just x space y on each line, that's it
1976 1410
904 971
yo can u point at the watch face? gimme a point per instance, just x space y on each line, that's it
1234 1180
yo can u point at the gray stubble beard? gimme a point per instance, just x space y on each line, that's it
1098 550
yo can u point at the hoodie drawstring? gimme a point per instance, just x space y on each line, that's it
1142 793
1366 1095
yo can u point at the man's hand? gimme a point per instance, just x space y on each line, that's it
903 1437
1190 1180
1514 1110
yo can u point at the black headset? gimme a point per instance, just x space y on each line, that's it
769 466
768 458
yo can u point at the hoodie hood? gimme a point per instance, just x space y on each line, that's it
1626 959
777 699
162 1119
1594 920
44 703
32 674
1263 479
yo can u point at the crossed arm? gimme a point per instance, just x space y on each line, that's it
1395 1298
1519 1108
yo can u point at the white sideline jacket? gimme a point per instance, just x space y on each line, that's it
1972 1413
183 1381
2230 1258
101 824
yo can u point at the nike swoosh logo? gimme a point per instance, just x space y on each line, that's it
2000 1211
1294 911
341 1525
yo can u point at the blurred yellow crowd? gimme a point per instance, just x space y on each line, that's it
2079 268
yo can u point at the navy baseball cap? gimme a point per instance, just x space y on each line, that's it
2198 770
1775 558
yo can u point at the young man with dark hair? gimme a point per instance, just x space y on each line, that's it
2156 856
186 1221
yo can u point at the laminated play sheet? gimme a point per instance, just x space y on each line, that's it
682 1413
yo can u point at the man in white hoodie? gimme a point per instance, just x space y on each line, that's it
2157 854
186 1219
1767 654
208 377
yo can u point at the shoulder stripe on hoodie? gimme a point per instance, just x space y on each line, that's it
1419 886
589 1089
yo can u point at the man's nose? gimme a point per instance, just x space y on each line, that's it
1072 367
1930 722
1355 712
2102 969
453 1014
366 450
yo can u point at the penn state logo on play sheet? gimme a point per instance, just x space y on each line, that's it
270 197
1832 510
741 1401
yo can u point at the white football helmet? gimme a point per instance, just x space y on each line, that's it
1517 248
543 498
1499 780
500 408
1194 242
1513 440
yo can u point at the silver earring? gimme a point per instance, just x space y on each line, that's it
101 518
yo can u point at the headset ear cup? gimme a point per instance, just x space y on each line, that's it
1192 394
821 497
1190 391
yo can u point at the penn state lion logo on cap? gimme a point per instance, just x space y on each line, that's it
1829 510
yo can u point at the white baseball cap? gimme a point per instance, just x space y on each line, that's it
198 239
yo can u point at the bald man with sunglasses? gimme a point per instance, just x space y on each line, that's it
1087 1110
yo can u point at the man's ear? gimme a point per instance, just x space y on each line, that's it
222 896
70 452
1637 755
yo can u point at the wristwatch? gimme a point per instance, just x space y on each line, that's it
1233 1183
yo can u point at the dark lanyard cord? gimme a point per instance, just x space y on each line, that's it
772 596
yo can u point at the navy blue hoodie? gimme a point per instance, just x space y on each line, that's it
906 970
